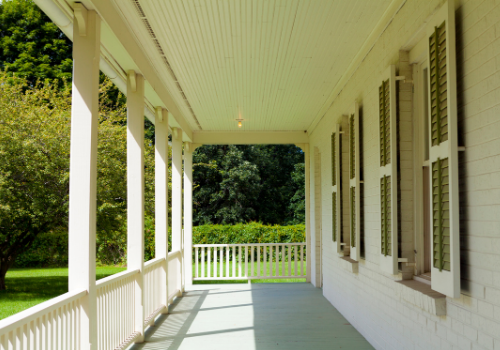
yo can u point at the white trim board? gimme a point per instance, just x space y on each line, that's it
247 138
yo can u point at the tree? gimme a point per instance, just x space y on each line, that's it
34 162
31 45
297 202
34 168
276 164
235 184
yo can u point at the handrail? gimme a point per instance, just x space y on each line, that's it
245 244
174 254
113 278
153 262
26 316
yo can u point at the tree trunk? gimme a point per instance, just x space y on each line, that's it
2 280
3 271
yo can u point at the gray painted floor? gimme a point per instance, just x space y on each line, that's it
284 316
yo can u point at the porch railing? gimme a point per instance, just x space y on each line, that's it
54 324
115 310
249 261
153 303
174 275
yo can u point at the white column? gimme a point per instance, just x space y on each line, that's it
83 170
188 214
135 190
177 194
307 169
161 197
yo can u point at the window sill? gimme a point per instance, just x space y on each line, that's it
349 264
421 295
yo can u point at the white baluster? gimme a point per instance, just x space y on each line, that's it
221 260
246 261
196 262
264 262
252 260
202 261
209 251
302 260
258 261
240 272
227 261
295 255
276 256
234 261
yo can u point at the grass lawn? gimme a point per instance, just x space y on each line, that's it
281 265
31 286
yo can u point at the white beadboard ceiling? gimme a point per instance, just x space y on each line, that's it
273 63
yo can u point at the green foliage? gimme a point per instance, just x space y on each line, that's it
39 254
248 233
34 162
34 171
297 202
237 184
31 45
48 249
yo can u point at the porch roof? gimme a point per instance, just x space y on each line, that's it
275 64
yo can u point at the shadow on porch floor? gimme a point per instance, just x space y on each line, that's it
253 317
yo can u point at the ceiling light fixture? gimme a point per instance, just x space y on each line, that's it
239 120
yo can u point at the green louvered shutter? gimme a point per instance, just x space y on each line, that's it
385 210
388 134
336 188
443 155
354 183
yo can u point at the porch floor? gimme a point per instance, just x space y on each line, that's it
284 316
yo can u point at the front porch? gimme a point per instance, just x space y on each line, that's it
252 316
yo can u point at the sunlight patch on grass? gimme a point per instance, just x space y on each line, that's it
28 287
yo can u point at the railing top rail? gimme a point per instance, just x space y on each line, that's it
116 277
174 254
25 317
245 244
153 262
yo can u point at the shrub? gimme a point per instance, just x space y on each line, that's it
248 233
48 249
51 249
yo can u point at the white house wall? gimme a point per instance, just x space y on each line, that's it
370 299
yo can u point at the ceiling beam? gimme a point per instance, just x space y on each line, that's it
249 138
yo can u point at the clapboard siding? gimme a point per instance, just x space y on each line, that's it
369 299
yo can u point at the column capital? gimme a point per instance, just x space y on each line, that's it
161 114
191 147
132 80
177 133
81 16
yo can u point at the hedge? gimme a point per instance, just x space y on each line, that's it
51 249
248 233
